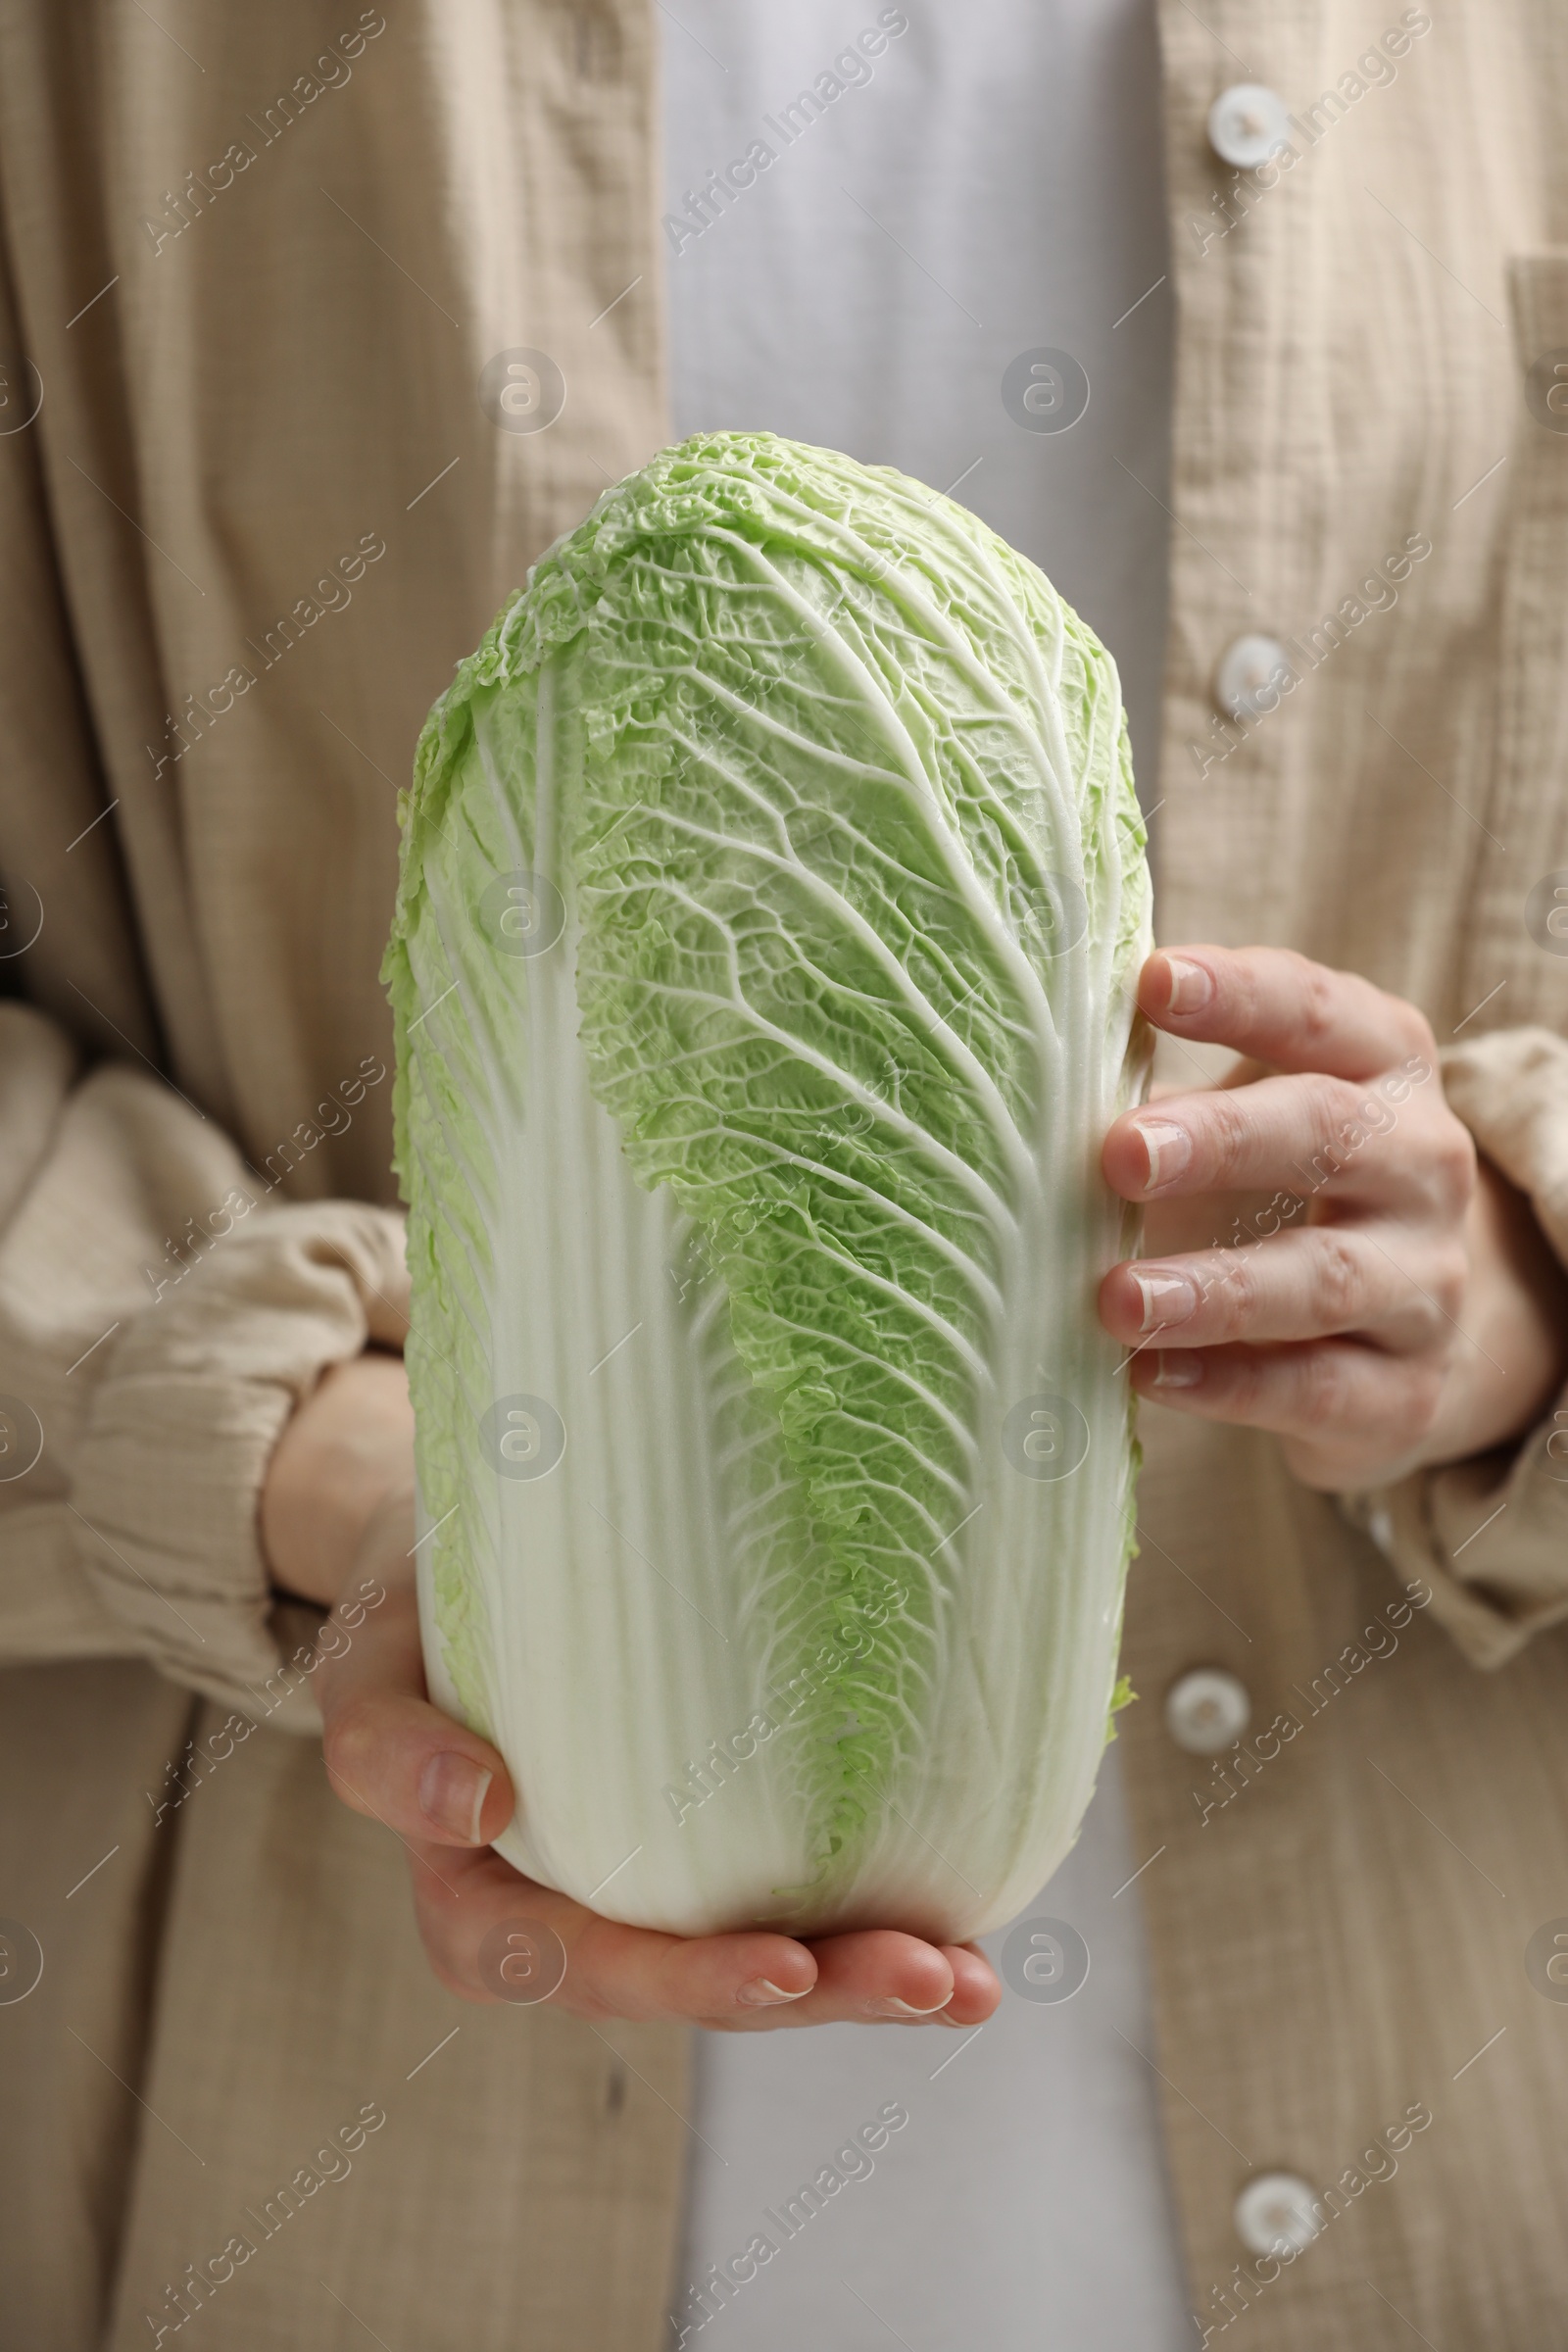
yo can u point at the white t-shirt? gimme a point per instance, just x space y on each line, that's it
948 194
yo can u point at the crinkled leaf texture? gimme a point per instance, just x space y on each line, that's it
773 895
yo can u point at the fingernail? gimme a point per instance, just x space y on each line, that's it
452 1795
1167 1298
762 1994
1169 1148
1178 1368
1191 985
890 2006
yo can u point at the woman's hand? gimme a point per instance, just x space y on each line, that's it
343 1452
337 1518
1365 1292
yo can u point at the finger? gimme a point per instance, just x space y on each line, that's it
884 1977
878 1976
390 1752
1311 1284
1348 1404
1281 1008
1379 1143
976 1988
601 1968
743 1981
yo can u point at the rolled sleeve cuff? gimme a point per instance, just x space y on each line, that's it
1490 1535
182 1425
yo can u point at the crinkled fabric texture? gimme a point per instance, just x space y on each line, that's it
148 1378
1490 1535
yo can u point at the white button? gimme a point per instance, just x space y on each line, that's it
1252 675
1245 123
1380 1527
1276 2210
1206 1710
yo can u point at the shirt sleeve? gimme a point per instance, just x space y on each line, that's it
161 1313
1490 1535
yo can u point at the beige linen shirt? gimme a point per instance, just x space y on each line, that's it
239 567
252 265
1341 1913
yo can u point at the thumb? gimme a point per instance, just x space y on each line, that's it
390 1752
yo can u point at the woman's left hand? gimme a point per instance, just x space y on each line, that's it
1365 1291
338 1523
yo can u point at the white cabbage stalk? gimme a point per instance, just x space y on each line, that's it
774 891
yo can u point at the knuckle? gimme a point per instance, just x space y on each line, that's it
1330 1108
1229 1120
1319 1012
349 1741
1320 1390
1239 1377
1339 1280
1357 1114
1415 1029
1228 1290
1453 1166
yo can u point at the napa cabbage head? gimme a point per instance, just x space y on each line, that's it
772 896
